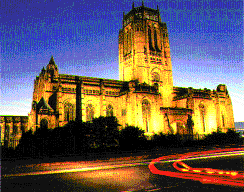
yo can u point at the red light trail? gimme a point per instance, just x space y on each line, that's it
204 175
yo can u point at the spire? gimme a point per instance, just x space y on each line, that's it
43 70
52 61
142 3
52 66
157 8
133 5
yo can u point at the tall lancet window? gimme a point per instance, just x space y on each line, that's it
109 111
69 112
146 114
223 120
202 116
127 42
89 112
156 41
150 39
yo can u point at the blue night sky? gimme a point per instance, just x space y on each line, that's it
206 41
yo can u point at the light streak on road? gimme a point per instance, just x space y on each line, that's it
204 157
212 176
173 158
76 169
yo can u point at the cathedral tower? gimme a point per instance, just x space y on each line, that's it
144 52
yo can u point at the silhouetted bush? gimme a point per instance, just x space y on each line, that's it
132 138
26 145
8 152
101 135
219 138
174 140
104 131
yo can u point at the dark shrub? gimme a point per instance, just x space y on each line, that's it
132 138
219 138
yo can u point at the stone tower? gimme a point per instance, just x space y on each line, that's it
144 52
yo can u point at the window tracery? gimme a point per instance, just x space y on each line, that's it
68 112
89 112
155 77
109 111
202 114
146 114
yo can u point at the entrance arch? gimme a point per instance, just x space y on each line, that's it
179 127
44 124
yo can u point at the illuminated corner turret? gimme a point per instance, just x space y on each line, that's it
52 68
144 52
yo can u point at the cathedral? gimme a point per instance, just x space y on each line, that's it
144 96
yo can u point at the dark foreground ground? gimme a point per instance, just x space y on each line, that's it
9 164
127 171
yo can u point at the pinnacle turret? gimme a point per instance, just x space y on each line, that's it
52 68
52 61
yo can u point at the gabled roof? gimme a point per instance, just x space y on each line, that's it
42 104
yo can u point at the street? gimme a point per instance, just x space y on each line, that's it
133 175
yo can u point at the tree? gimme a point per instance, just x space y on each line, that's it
105 131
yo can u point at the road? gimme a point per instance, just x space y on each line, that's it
121 175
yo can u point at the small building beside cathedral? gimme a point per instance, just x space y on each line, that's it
144 96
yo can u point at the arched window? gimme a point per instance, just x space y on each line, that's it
150 39
156 41
89 112
44 124
15 130
146 114
202 114
223 120
69 112
7 132
155 77
109 111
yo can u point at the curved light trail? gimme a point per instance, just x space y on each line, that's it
204 175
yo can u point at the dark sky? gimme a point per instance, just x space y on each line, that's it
206 41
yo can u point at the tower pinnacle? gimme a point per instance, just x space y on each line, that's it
52 61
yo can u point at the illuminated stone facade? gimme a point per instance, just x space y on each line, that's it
12 128
144 96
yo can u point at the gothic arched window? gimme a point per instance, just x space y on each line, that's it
202 115
146 114
109 111
68 112
89 112
44 124
15 130
7 132
150 39
223 120
155 77
156 41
